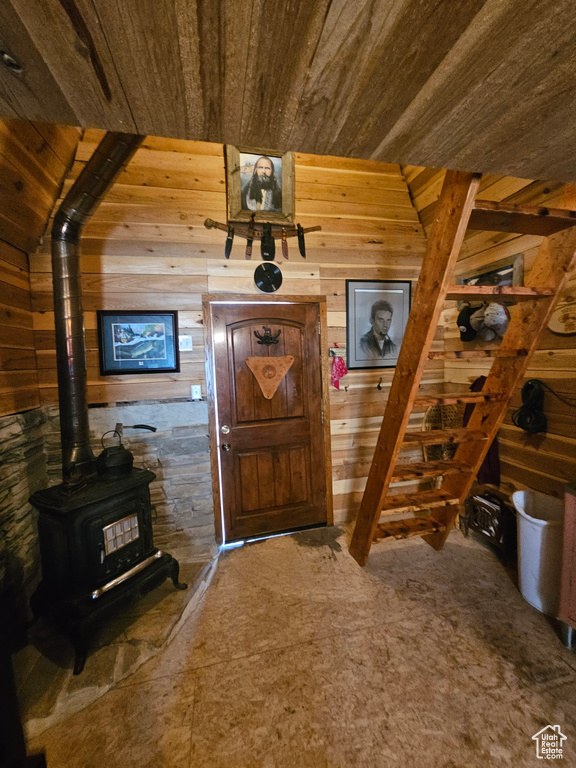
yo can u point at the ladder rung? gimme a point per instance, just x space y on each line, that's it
416 469
414 502
456 398
437 436
403 529
473 354
524 219
503 292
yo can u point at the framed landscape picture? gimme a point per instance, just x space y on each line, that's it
376 315
138 342
260 182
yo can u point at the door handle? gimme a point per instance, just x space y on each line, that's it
225 446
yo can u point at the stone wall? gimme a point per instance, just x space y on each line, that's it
22 472
179 455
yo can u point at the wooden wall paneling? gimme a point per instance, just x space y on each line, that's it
146 246
28 188
70 39
32 154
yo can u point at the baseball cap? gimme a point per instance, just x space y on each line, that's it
467 333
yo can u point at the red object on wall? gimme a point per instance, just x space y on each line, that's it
338 370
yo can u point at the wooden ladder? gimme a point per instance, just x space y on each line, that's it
458 209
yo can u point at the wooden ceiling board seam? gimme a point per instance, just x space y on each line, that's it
401 66
35 93
238 24
556 94
199 25
456 105
350 32
277 67
143 38
69 38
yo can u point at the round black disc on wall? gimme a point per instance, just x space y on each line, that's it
268 277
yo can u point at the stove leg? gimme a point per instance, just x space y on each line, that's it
174 572
80 641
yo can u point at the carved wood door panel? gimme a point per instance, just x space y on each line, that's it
270 449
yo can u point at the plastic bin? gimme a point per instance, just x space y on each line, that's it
540 519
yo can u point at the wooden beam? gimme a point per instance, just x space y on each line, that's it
524 219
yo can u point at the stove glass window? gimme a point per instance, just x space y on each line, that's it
120 533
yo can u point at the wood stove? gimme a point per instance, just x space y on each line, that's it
95 528
97 554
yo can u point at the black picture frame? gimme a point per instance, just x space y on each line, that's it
138 341
363 350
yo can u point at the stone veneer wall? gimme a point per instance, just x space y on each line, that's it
178 453
22 472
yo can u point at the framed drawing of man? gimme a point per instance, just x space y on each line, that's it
260 182
376 315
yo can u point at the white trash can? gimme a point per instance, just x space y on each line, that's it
540 519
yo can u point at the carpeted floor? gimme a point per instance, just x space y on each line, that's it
298 658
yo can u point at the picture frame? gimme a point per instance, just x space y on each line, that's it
138 341
376 315
277 201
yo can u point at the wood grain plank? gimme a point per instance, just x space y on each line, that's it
350 95
70 40
35 93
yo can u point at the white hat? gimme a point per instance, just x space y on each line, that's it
497 317
478 324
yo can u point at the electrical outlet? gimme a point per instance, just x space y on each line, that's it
196 390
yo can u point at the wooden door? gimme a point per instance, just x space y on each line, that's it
270 452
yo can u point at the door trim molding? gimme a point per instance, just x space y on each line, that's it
208 301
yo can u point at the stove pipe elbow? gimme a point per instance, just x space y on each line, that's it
112 154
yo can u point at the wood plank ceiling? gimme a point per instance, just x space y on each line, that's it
484 85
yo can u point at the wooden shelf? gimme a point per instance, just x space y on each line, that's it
474 354
403 529
497 292
419 469
425 401
415 502
438 436
524 219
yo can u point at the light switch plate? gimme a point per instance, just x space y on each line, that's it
196 390
184 343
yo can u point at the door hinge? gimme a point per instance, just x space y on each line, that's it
322 415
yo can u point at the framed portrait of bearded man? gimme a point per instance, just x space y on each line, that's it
260 182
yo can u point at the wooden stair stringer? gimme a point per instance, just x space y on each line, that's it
451 219
556 258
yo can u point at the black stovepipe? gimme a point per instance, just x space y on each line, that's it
112 154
